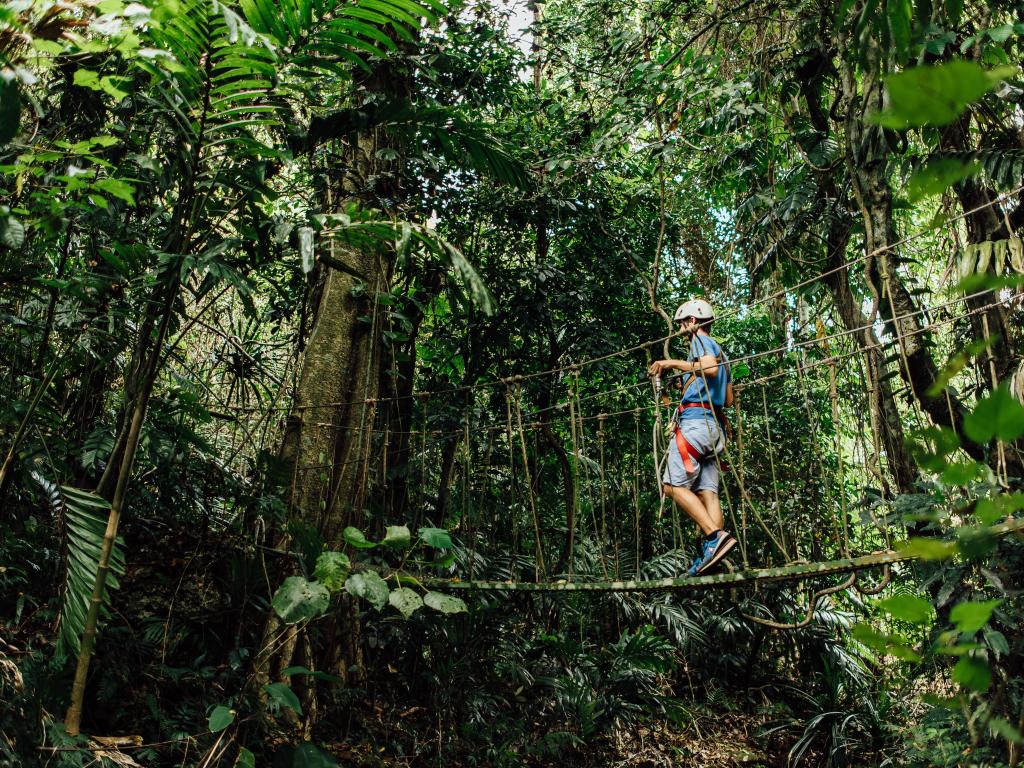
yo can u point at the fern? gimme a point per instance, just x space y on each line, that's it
83 517
321 35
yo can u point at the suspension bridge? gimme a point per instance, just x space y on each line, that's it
793 550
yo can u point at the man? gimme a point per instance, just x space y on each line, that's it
691 476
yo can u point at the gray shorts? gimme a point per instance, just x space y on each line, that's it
706 436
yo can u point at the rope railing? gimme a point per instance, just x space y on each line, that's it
502 381
790 347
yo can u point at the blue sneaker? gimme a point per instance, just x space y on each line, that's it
715 551
694 569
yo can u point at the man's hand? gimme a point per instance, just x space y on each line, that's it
660 366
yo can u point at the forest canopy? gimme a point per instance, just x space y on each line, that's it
342 372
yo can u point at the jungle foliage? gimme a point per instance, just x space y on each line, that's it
311 306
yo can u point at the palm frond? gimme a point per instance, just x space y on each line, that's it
83 517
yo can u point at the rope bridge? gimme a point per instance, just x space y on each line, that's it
794 572
796 525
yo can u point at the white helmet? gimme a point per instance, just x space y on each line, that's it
695 308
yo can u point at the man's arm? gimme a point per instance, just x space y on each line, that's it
706 365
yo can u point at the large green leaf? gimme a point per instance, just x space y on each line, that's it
438 538
298 599
397 536
936 95
283 696
405 601
973 672
444 603
971 616
220 718
937 175
997 416
370 587
356 538
332 569
910 608
928 548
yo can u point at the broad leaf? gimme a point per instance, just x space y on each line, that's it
438 538
246 759
332 569
999 415
370 587
444 603
937 175
283 696
971 616
928 548
298 599
910 608
963 474
936 95
973 672
882 643
356 538
306 672
220 718
405 601
397 536
1000 727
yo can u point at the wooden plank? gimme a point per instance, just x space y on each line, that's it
793 572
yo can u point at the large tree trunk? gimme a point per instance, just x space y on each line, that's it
885 416
329 427
866 155
867 158
329 439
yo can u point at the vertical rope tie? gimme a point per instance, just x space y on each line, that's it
601 417
513 475
573 513
771 464
740 474
1000 446
636 494
539 568
833 392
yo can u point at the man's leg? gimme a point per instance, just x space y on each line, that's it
713 506
689 502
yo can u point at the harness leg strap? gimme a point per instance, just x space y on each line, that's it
687 451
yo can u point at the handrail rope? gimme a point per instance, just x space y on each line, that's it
729 313
746 358
783 348
832 360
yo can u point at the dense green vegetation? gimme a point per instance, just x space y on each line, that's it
310 307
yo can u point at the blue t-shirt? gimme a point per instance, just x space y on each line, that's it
697 391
